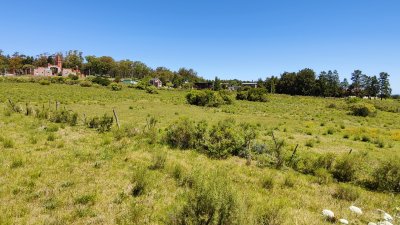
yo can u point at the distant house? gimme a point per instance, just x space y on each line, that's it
203 85
250 84
156 82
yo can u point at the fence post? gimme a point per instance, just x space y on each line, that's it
116 118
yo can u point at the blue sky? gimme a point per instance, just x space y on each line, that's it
228 39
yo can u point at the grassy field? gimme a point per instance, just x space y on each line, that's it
59 174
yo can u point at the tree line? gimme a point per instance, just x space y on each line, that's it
21 64
304 82
326 84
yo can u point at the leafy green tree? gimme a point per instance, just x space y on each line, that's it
384 85
141 70
217 84
287 84
305 82
73 59
270 84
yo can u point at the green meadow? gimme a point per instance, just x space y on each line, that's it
55 173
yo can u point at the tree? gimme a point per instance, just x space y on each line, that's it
287 84
3 63
356 85
384 85
217 84
140 70
344 87
305 82
73 60
41 60
125 68
270 84
15 63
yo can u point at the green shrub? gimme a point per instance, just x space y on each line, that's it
386 177
225 139
323 176
86 83
363 109
64 116
87 199
140 181
290 181
271 213
116 86
211 201
159 160
181 134
253 94
344 169
44 82
101 81
73 77
267 182
151 89
7 142
346 192
208 98
102 124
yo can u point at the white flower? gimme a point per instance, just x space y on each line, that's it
356 210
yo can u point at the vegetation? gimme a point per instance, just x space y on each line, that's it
243 157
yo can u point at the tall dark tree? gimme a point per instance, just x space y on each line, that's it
287 84
356 83
305 82
384 85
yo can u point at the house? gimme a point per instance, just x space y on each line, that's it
54 70
203 85
250 84
156 82
234 88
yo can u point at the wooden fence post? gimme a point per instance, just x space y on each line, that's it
116 118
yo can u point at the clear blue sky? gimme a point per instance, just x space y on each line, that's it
229 39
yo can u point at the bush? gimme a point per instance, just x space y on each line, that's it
387 176
211 201
267 182
101 80
159 160
344 169
102 124
323 176
271 213
363 109
253 94
151 90
44 82
208 98
140 182
181 134
345 192
225 139
116 87
64 116
86 83
73 77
